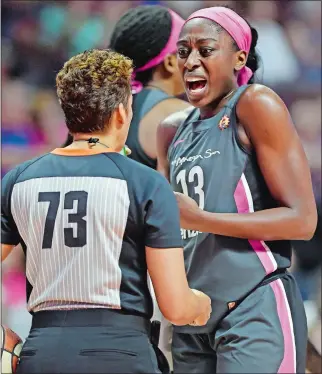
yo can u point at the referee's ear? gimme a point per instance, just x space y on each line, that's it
119 117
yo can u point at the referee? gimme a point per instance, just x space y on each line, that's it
92 223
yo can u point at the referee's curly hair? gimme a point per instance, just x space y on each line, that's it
90 87
141 34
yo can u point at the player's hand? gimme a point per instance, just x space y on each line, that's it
189 211
205 301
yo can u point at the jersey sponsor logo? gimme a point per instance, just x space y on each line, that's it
181 160
188 234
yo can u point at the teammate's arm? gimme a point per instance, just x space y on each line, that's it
164 254
150 122
165 133
285 168
9 233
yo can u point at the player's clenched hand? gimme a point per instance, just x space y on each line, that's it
189 211
206 303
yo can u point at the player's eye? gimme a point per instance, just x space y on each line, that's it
206 51
183 52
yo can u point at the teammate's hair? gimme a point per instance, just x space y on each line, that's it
90 87
253 60
141 34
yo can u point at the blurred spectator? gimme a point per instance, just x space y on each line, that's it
304 32
279 63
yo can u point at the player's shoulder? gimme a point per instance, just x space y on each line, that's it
258 94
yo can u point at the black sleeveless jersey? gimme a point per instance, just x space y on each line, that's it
208 163
143 102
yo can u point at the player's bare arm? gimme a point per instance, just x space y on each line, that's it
165 133
285 168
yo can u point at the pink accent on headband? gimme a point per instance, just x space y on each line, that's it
238 29
170 47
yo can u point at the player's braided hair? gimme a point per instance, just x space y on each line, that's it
141 34
90 87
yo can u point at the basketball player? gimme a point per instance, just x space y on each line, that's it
244 190
92 222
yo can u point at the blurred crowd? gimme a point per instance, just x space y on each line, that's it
38 36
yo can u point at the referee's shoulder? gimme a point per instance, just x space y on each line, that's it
16 171
139 173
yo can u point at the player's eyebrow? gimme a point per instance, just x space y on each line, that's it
200 40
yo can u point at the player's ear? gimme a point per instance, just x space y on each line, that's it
240 60
170 63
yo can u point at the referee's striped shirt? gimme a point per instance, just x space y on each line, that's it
84 219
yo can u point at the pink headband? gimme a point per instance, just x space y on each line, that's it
238 29
170 47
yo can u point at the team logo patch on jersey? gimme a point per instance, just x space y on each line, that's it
231 305
224 123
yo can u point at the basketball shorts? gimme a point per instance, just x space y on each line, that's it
265 333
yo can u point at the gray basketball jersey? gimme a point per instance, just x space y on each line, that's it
208 163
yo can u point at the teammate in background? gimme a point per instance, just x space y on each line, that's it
244 191
92 223
148 35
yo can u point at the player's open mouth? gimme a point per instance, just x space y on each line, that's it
196 86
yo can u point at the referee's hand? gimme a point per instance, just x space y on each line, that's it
206 302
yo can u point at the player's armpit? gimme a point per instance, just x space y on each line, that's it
5 250
176 301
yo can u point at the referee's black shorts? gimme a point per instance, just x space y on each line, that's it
88 341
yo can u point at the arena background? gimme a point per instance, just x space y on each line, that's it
38 36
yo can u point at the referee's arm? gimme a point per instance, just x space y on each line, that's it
164 255
9 233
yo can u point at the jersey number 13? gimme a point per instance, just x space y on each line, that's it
196 176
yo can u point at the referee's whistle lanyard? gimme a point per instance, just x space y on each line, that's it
93 141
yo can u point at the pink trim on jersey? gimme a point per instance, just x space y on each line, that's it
288 364
244 203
